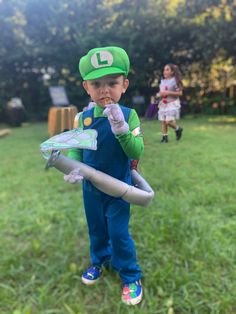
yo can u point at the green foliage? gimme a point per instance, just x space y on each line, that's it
42 41
185 239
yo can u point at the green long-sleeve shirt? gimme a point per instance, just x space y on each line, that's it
131 142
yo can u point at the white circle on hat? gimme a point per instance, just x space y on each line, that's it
101 59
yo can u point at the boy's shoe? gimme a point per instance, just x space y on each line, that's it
132 293
178 133
164 139
91 275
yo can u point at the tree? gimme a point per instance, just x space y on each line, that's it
42 41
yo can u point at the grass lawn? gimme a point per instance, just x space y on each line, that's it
185 239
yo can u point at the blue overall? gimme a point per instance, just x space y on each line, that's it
108 217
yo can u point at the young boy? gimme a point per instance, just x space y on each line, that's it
104 72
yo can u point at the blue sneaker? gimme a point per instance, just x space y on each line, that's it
132 293
91 275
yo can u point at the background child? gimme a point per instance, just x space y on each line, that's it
169 107
104 71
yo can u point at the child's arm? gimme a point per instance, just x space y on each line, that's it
171 93
76 153
128 134
132 141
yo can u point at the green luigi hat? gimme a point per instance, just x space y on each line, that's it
99 62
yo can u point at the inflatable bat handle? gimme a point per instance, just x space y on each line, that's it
140 193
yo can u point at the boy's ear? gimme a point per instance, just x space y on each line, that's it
125 85
85 86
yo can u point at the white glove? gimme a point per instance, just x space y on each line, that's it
73 176
116 119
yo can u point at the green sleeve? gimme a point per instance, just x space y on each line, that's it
76 153
132 145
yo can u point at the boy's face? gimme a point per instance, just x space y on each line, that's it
109 86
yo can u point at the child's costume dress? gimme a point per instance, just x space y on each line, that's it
108 217
169 106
